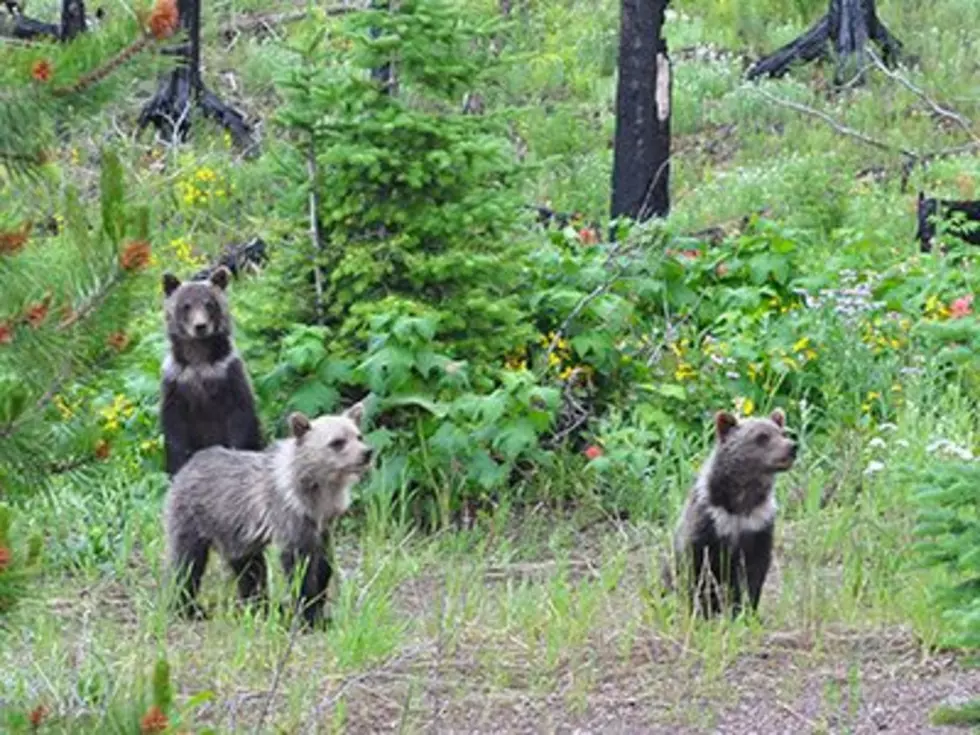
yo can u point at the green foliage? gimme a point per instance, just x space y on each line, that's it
45 81
949 538
443 441
63 310
416 200
18 562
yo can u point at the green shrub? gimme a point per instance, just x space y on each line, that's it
416 203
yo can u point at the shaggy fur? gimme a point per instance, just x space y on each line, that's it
723 540
206 397
930 208
239 502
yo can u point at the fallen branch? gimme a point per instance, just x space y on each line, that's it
269 20
838 126
912 158
965 124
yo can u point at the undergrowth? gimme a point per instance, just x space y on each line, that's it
540 399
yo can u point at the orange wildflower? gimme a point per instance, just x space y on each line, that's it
37 715
5 557
961 307
11 242
135 255
118 341
153 721
36 314
101 449
164 19
41 71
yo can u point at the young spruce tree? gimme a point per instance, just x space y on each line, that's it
414 200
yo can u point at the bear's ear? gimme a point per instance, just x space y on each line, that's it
220 277
170 283
724 423
356 412
299 425
778 418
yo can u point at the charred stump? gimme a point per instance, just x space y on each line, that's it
169 111
847 27
960 216
73 22
641 163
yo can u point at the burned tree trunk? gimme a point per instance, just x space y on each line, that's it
72 23
384 75
960 217
641 165
170 109
847 26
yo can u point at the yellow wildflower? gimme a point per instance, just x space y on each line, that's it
63 408
801 344
684 372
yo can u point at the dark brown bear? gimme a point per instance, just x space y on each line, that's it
206 397
723 540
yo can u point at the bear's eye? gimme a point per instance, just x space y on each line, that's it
338 444
186 308
762 440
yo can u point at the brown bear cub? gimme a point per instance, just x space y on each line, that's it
723 540
241 501
206 398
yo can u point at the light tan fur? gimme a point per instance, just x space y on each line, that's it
241 501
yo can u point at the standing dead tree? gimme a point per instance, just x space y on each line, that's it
641 164
72 23
169 111
847 26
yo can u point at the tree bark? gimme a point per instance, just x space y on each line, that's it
641 165
72 23
169 111
384 74
847 26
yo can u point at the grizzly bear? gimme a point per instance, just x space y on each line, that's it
239 502
206 397
723 540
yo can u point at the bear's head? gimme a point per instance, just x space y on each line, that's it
756 446
197 310
330 455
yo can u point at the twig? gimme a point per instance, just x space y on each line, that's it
314 198
93 303
280 667
591 296
251 23
839 127
965 124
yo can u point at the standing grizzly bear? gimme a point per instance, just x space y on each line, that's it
206 398
241 501
723 540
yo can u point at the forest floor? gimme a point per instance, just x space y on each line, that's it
557 630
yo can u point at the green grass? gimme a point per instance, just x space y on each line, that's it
539 616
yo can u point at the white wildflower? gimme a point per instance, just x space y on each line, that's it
873 467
